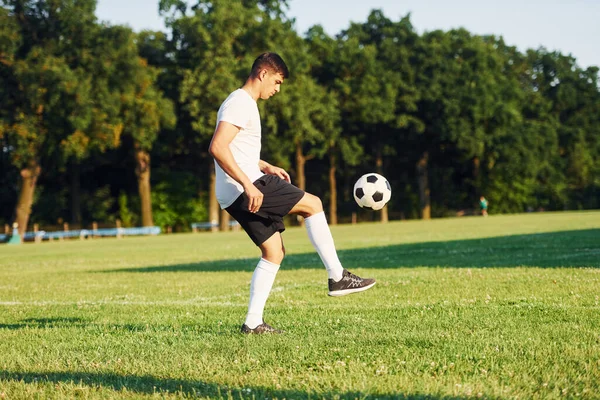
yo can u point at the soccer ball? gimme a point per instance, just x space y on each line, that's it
372 191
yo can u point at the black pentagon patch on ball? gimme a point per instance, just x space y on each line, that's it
371 178
360 193
377 196
367 207
388 185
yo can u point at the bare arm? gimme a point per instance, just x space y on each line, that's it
219 149
273 170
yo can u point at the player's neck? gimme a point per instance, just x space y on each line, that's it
252 89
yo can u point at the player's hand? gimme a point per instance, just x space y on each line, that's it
280 172
255 198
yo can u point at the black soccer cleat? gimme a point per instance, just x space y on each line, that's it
349 283
260 329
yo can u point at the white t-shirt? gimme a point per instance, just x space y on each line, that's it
241 110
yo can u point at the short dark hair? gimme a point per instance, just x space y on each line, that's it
270 61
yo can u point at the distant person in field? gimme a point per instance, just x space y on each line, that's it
483 205
258 195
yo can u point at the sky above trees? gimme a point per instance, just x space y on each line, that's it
568 27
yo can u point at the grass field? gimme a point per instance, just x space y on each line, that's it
501 307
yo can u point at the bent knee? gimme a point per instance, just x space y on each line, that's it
274 255
314 204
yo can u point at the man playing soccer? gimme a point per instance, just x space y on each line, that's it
258 195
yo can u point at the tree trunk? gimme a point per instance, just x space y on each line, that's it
476 178
332 189
225 217
379 164
142 171
213 205
424 191
29 178
76 194
300 164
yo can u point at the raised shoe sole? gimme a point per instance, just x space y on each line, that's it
345 292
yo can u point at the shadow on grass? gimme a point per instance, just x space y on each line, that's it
578 248
45 323
147 384
60 323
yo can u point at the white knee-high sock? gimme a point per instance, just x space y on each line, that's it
260 287
321 239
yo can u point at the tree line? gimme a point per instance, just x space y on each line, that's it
100 123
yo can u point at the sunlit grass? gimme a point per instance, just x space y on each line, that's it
498 307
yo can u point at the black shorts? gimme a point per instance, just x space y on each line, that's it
279 198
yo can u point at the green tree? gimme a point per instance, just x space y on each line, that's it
10 40
468 101
519 159
43 86
144 109
575 101
61 107
376 85
341 147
